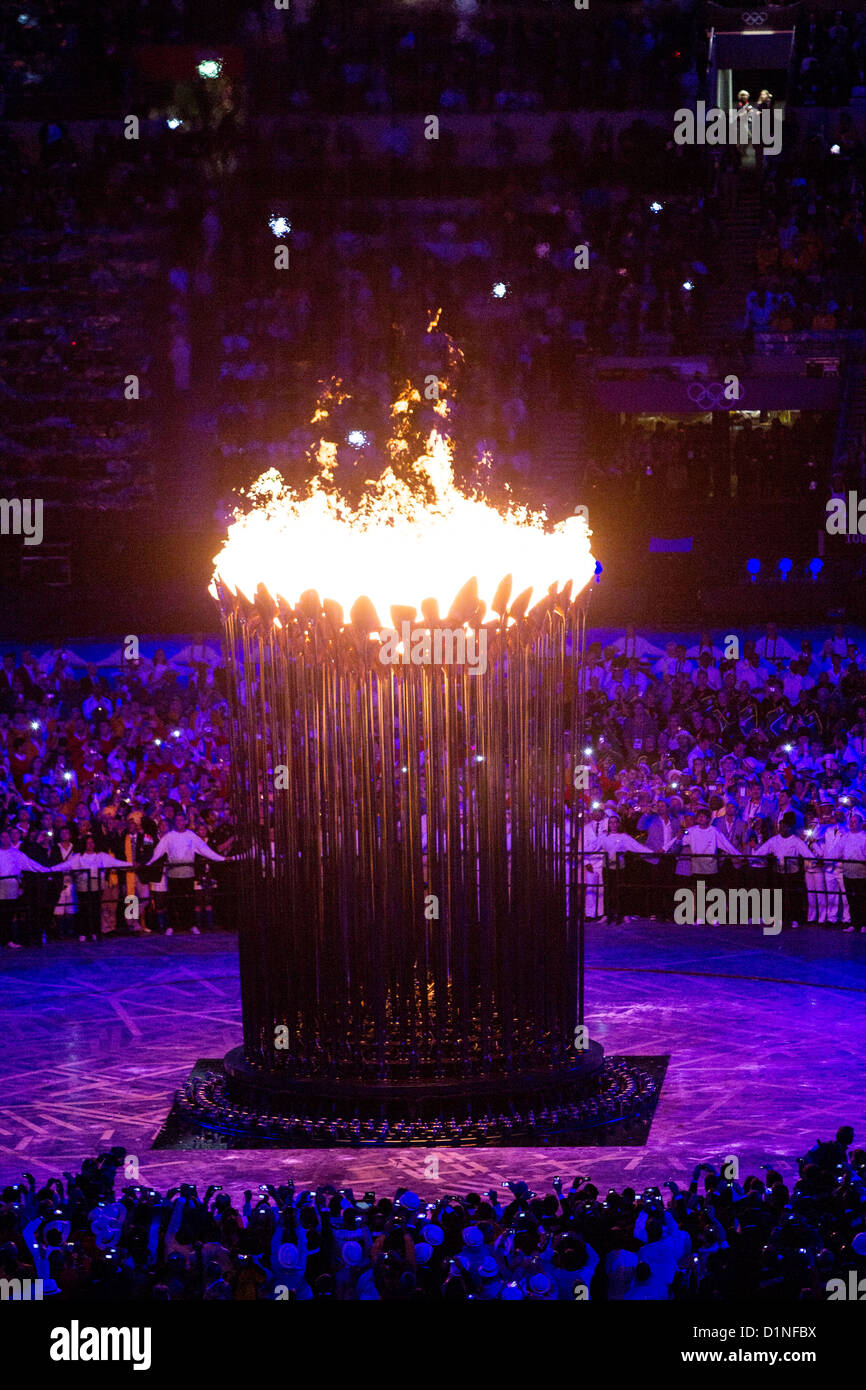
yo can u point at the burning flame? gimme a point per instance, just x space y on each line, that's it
405 542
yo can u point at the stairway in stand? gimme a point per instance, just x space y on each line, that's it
734 272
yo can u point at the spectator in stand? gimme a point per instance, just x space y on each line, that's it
773 648
632 645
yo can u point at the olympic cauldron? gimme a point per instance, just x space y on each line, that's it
411 939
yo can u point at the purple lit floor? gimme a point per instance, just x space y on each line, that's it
765 1036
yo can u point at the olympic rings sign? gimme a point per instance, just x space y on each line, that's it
713 395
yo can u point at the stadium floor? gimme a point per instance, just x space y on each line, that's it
764 1036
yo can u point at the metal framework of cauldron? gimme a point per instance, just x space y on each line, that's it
412 911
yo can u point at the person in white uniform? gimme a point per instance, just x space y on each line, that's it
13 863
703 843
179 848
593 864
88 869
828 846
853 864
787 849
614 844
816 887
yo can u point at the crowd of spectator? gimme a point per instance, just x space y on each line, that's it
750 763
169 217
123 774
480 57
472 56
809 255
122 770
662 464
469 56
490 243
830 58
82 238
718 1237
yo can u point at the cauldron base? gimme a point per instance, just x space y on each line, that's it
408 1100
589 1104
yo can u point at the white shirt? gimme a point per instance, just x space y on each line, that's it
830 843
89 879
668 835
617 842
785 848
754 676
680 666
196 652
180 848
635 646
704 844
12 863
774 648
666 666
593 833
852 846
662 1258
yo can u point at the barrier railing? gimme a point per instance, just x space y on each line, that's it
629 883
93 902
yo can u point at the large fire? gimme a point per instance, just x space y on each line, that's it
405 541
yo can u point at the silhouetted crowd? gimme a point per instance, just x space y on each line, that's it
721 1236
